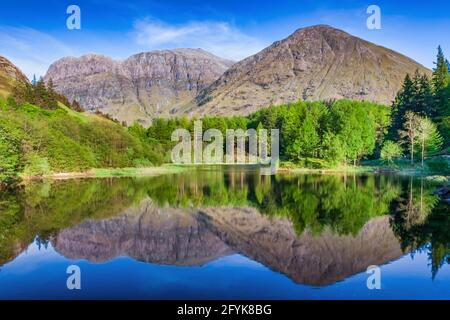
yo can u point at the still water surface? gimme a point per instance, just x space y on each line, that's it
218 234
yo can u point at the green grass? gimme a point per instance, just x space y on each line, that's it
439 165
135 172
62 140
6 86
433 166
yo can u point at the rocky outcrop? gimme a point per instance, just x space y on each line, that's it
9 76
139 88
444 193
314 63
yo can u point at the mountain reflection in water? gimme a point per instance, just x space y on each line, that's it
316 230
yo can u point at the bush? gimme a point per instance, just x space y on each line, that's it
36 166
439 165
9 157
142 163
390 151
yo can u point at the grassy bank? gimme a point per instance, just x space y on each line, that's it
109 173
435 166
38 142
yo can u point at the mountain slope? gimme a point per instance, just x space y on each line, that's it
36 140
314 63
139 88
185 238
9 74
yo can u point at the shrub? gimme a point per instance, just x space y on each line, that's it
9 157
36 166
439 165
390 151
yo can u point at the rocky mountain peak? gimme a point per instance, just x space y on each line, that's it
313 63
9 76
141 87
9 70
86 65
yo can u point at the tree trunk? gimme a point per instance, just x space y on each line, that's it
423 150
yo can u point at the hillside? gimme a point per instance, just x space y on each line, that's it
37 140
140 87
9 75
314 63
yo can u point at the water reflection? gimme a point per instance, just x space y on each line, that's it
317 230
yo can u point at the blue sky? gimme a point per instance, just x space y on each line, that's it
33 34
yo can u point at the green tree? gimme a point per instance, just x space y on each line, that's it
9 157
428 137
401 105
333 149
351 121
441 82
409 133
51 96
422 101
306 141
390 151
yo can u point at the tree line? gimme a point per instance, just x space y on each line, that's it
41 94
421 114
330 133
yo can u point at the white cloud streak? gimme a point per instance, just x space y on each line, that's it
219 38
31 50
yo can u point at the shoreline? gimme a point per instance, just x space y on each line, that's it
172 169
107 173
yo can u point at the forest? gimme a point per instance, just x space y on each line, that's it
41 131
415 130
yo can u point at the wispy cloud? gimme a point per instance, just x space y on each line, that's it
33 51
219 38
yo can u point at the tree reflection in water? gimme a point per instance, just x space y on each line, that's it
334 204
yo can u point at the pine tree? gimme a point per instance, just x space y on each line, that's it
76 106
52 96
422 100
441 81
23 93
403 102
40 94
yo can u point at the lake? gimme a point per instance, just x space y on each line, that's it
226 234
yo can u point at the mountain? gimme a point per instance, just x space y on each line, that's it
9 74
310 259
189 237
139 88
146 233
314 63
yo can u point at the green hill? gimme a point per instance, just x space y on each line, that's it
36 141
40 135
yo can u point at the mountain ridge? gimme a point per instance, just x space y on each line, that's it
313 63
10 74
140 87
